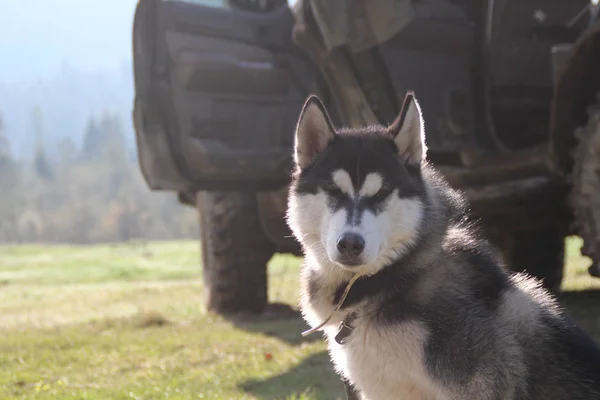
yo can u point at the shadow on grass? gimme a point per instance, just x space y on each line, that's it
584 307
314 376
280 321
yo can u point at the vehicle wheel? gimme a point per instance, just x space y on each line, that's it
585 192
235 252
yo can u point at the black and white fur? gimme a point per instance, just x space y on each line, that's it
435 315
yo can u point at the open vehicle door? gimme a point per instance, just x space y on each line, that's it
217 93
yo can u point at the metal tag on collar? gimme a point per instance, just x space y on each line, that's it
345 329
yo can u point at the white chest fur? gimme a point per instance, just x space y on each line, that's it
385 362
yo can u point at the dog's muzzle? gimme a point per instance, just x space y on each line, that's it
350 246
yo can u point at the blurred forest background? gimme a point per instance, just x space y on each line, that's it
88 193
68 168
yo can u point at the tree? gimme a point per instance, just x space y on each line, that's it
67 151
5 153
92 140
10 200
115 149
104 140
41 163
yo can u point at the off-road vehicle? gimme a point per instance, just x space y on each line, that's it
510 89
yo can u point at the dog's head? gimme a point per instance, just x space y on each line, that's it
357 198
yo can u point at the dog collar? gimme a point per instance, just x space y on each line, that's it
345 328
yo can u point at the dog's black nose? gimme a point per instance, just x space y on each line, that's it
351 244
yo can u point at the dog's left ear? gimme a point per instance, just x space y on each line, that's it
408 131
313 132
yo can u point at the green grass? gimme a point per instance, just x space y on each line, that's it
92 264
127 322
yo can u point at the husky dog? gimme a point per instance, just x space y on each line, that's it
433 313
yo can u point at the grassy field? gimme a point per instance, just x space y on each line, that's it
127 322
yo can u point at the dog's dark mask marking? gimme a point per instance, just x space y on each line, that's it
394 153
360 153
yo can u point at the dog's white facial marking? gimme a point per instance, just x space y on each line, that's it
305 215
342 180
393 230
371 228
372 184
386 234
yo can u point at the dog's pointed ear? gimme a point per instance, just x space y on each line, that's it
314 131
408 131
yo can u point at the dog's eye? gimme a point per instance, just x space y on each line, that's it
332 188
385 189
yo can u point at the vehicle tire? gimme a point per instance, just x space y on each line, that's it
585 186
235 252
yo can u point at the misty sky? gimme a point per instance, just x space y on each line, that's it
38 36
